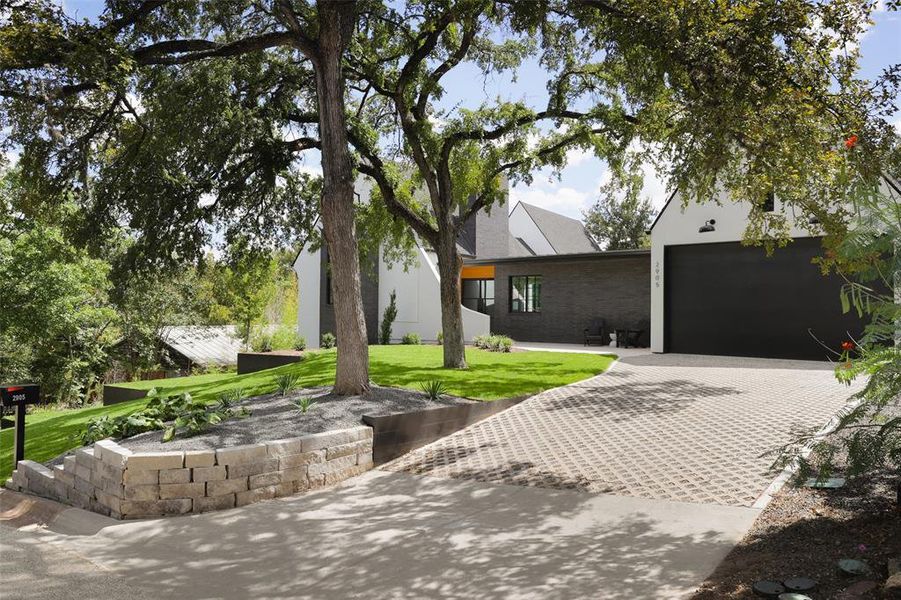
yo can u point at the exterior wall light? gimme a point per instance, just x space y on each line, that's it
707 227
813 220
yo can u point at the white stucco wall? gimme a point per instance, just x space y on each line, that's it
679 226
307 266
522 226
419 300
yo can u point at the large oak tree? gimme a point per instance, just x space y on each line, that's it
175 117
747 98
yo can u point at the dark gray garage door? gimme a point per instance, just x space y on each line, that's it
728 299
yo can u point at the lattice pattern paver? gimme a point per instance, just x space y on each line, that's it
670 427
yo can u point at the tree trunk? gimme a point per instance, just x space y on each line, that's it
449 265
336 22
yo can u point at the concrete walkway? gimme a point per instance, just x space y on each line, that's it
479 514
388 535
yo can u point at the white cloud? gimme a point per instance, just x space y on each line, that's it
577 156
565 200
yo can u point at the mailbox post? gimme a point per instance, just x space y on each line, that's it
18 397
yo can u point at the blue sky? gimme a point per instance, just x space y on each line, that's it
577 187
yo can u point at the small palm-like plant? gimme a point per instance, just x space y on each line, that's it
304 404
230 397
286 382
434 388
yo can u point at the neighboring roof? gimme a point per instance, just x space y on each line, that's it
565 234
204 345
599 255
518 247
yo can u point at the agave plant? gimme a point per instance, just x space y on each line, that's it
434 388
286 382
304 404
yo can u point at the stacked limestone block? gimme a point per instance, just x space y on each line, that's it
117 482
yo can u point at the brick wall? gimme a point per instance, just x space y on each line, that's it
573 294
114 481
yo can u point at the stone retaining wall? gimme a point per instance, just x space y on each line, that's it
114 481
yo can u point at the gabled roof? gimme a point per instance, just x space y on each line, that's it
659 214
565 234
204 345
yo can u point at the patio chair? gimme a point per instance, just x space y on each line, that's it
596 333
632 336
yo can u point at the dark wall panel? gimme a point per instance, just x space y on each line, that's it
728 299
369 287
573 294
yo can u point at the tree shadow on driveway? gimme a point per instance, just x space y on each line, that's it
390 535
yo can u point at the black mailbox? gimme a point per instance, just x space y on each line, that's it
17 395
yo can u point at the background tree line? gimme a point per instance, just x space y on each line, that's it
69 313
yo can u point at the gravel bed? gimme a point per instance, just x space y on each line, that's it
276 417
804 532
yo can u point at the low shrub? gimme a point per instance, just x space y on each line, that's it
411 339
300 342
286 382
434 388
328 341
493 342
440 338
261 342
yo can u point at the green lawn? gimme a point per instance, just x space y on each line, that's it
490 376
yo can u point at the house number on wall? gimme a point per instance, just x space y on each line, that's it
657 274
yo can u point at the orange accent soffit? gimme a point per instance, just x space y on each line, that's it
478 272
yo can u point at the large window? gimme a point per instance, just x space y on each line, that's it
525 293
478 294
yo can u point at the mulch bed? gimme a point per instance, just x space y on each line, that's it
804 532
276 417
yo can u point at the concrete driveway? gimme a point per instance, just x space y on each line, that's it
509 508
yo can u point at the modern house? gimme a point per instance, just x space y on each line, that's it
536 275
710 294
530 273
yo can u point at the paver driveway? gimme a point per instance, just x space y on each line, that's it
440 524
668 427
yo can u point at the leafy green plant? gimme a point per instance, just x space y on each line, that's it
388 319
300 342
411 339
440 338
867 435
286 382
169 413
304 404
433 388
328 340
480 341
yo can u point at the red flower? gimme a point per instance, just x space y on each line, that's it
847 346
851 142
